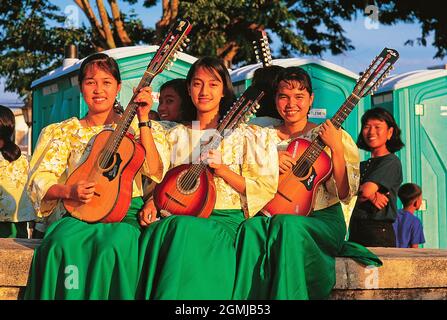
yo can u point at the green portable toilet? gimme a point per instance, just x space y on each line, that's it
331 84
418 101
57 97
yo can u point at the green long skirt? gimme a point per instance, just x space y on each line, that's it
183 257
78 260
292 257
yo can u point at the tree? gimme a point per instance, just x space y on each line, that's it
33 35
29 47
222 27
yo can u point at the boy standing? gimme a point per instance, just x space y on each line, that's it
408 227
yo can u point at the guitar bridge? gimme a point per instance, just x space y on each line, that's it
175 200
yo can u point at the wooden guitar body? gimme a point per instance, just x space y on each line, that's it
181 193
113 190
297 188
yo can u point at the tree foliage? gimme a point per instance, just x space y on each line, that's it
33 33
224 27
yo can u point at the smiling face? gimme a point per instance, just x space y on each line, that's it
206 90
293 101
99 89
170 104
376 133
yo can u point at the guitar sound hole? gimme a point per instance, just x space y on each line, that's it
106 165
187 183
302 171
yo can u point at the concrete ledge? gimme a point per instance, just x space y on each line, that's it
15 261
405 274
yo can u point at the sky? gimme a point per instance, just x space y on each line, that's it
368 37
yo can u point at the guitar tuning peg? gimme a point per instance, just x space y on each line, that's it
187 40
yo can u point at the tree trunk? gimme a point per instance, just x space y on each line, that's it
228 52
96 26
170 12
119 26
106 24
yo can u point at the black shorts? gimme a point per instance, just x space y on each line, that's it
372 233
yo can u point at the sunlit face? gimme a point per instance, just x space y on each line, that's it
293 103
170 104
206 90
376 133
99 89
418 202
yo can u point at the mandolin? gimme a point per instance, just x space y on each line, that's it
115 156
189 189
261 47
297 187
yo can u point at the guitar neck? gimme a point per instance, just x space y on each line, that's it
317 145
129 114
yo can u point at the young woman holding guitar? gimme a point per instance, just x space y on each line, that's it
187 257
291 256
100 258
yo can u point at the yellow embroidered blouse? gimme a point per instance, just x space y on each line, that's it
327 194
59 150
15 205
248 151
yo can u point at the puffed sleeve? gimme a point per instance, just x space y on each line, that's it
259 168
48 167
159 133
352 160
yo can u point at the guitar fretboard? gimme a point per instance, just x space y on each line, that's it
312 153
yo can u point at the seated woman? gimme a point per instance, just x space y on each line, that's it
80 260
16 209
186 257
290 256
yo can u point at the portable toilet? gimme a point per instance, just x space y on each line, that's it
57 97
418 101
332 85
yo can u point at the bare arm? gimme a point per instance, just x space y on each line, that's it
332 138
235 180
82 191
144 99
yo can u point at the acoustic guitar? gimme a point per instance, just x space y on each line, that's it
115 156
297 187
189 189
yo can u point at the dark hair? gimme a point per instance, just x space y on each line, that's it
408 193
264 79
179 86
294 74
105 63
10 150
395 143
214 66
153 115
